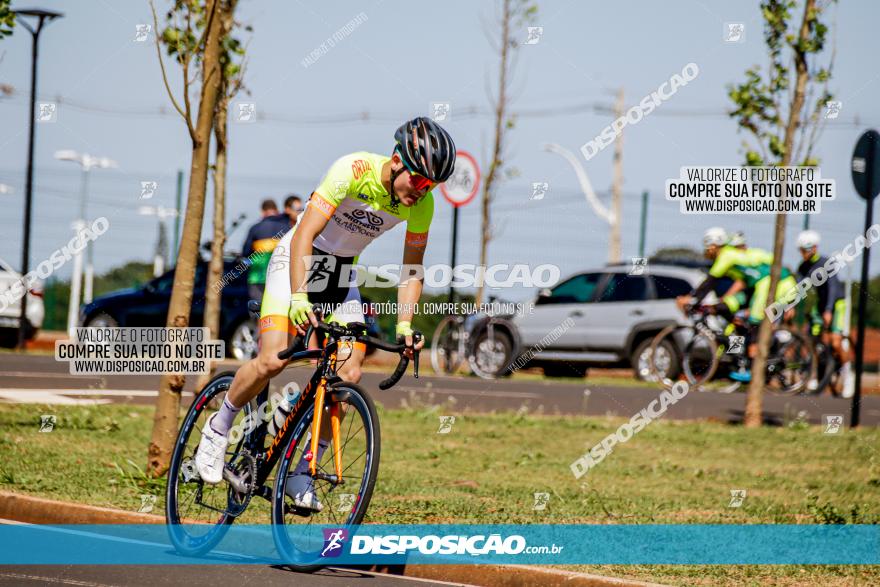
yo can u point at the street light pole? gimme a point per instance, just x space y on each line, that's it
86 163
41 16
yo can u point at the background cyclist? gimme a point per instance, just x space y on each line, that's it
828 316
362 196
749 268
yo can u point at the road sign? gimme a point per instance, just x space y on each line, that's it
866 178
463 184
866 165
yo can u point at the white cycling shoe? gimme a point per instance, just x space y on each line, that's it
211 454
301 489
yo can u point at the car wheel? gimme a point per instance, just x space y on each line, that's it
666 362
565 370
491 354
242 344
101 320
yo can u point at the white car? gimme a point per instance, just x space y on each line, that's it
10 306
606 316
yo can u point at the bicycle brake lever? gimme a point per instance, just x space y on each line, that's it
417 337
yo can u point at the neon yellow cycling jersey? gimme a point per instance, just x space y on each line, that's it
351 196
749 265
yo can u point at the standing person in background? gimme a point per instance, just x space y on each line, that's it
259 244
293 207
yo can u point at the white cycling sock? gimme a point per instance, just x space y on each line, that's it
223 419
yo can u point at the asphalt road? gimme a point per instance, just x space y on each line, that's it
41 379
212 575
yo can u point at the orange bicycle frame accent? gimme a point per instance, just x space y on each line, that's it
320 396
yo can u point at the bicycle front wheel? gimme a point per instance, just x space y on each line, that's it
791 364
297 532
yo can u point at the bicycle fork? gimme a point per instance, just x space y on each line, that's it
317 421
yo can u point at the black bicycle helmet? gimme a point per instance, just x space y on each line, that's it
426 148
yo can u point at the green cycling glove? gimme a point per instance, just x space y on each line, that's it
299 308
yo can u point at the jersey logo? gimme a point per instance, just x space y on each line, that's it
417 240
372 219
360 167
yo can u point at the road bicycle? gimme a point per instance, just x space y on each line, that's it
830 373
711 350
199 515
484 341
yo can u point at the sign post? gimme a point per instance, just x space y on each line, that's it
866 178
459 190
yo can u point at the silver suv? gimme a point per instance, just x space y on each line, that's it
606 316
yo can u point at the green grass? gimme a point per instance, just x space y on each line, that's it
488 467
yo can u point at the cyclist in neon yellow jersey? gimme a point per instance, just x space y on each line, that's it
749 268
362 196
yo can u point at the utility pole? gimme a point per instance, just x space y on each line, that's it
616 187
177 204
643 225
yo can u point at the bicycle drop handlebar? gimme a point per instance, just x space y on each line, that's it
338 332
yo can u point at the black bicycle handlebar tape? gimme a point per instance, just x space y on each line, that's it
417 337
288 352
398 373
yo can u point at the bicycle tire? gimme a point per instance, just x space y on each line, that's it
361 401
655 344
183 541
440 351
795 340
697 378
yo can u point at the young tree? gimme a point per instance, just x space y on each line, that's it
779 111
232 75
202 51
515 14
7 19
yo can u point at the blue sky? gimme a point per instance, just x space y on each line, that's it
393 65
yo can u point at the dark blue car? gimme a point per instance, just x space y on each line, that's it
148 306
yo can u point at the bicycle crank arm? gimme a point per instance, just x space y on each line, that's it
237 482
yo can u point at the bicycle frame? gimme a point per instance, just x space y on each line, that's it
315 390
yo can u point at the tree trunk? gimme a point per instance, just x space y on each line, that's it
754 399
165 422
214 285
495 163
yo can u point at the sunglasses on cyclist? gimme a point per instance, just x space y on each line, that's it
417 180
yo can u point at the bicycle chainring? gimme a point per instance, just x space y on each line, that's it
243 465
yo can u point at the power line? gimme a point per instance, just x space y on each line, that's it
465 112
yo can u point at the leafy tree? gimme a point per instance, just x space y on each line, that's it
193 38
7 19
780 110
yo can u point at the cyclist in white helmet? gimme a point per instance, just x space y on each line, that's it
828 317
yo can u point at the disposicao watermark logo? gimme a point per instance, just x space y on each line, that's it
646 105
334 539
451 544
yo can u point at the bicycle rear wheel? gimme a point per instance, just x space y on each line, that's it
297 532
448 345
198 515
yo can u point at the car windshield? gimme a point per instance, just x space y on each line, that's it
577 290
